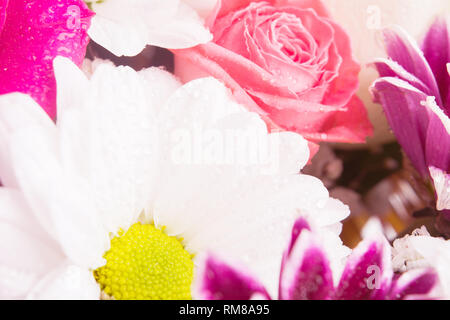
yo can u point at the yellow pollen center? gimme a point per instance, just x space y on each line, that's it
145 263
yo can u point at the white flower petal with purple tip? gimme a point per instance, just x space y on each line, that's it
415 284
306 273
219 281
370 258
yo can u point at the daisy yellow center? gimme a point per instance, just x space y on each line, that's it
145 263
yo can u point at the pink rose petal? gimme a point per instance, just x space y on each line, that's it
287 61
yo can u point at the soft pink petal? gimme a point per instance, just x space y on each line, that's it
321 123
345 85
34 33
318 5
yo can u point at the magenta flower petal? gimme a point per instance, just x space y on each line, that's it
219 281
436 48
306 274
438 137
402 49
34 33
3 5
390 68
299 225
368 272
414 284
406 115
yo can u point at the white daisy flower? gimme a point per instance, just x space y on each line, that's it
127 29
121 196
420 250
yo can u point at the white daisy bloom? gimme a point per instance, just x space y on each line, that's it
129 187
421 250
126 27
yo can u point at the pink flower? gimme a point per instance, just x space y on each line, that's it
32 34
287 61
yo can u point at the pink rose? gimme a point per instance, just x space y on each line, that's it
287 61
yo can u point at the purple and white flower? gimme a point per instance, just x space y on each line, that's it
414 90
307 274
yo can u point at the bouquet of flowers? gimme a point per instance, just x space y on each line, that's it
222 150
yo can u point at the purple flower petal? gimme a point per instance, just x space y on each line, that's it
404 50
306 274
34 33
219 281
436 48
414 284
368 272
407 117
390 68
299 225
438 137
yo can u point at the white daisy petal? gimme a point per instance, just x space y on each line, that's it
17 110
60 200
123 140
66 282
26 252
441 181
237 208
126 30
203 7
